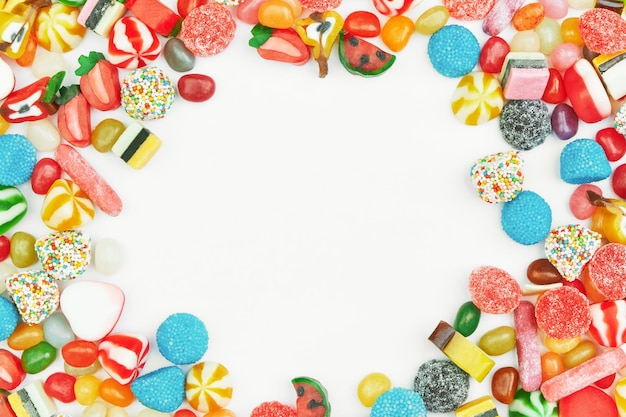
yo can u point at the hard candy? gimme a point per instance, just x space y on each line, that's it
478 98
57 28
208 386
608 323
178 57
13 206
66 206
92 308
132 44
123 355
532 404
64 255
394 8
45 173
35 294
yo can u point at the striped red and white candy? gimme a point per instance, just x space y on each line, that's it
123 355
608 322
132 44
394 7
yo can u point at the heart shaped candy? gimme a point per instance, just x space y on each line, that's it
603 30
35 294
92 308
64 255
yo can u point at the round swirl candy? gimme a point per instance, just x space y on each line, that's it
66 206
147 93
477 98
532 404
13 205
208 386
57 28
393 7
132 44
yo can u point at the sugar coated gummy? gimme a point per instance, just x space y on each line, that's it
527 218
442 385
399 402
493 290
453 51
17 159
273 409
563 313
208 29
182 338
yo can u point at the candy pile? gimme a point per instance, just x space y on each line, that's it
556 72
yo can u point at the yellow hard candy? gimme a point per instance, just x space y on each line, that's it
208 386
477 98
66 206
57 28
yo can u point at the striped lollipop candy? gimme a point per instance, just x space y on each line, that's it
132 44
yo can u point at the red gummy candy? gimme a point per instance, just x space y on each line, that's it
602 30
5 247
60 386
618 181
208 29
588 402
563 313
613 143
494 290
493 54
555 89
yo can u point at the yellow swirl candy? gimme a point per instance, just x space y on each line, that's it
57 28
208 386
478 98
66 206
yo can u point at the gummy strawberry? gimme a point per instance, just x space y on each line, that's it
99 81
74 116
283 45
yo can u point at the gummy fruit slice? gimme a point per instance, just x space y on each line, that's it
312 398
361 57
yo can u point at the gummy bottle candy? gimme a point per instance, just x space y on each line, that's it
609 219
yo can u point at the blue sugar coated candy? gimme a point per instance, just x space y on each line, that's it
525 124
162 390
17 159
443 386
584 161
182 339
453 51
527 219
399 402
9 318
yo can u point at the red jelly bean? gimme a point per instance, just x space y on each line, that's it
196 87
80 353
5 247
555 90
579 203
362 23
589 401
613 143
493 54
60 386
45 172
11 372
618 181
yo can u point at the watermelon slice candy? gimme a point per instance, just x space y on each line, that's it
361 57
312 398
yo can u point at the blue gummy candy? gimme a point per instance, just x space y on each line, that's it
527 219
9 318
399 402
17 159
584 161
453 51
162 390
182 338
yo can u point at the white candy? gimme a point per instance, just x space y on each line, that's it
7 79
108 256
44 136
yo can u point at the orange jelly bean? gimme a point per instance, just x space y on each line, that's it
529 16
504 384
397 31
115 393
86 389
220 412
570 31
551 365
581 353
278 14
25 336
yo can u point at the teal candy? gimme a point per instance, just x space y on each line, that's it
17 159
13 207
532 404
57 331
399 402
37 358
8 318
584 161
161 390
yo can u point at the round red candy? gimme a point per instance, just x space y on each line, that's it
579 203
208 29
494 290
607 271
618 181
588 402
563 313
613 143
492 55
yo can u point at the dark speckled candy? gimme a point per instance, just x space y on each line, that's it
442 384
584 161
525 124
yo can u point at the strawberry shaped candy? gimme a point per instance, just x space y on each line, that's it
320 30
74 117
284 45
99 81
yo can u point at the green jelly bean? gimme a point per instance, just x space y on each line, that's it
23 252
37 358
498 341
467 319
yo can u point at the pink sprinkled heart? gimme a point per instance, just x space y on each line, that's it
92 308
603 30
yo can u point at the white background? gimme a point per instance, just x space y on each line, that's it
319 227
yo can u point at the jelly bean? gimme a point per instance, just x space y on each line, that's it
467 318
196 87
555 9
60 386
570 32
37 358
581 4
397 31
504 384
5 250
565 55
555 91
498 341
57 331
115 393
25 336
549 31
579 203
108 256
528 16
613 143
551 365
88 370
11 372
96 409
277 14
80 353
492 54
23 249
584 351
371 386
525 41
542 272
362 23
43 135
248 11
47 64
561 345
86 389
618 181
564 121
45 173
106 133
177 56
432 20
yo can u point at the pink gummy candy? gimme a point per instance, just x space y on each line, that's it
527 343
500 16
